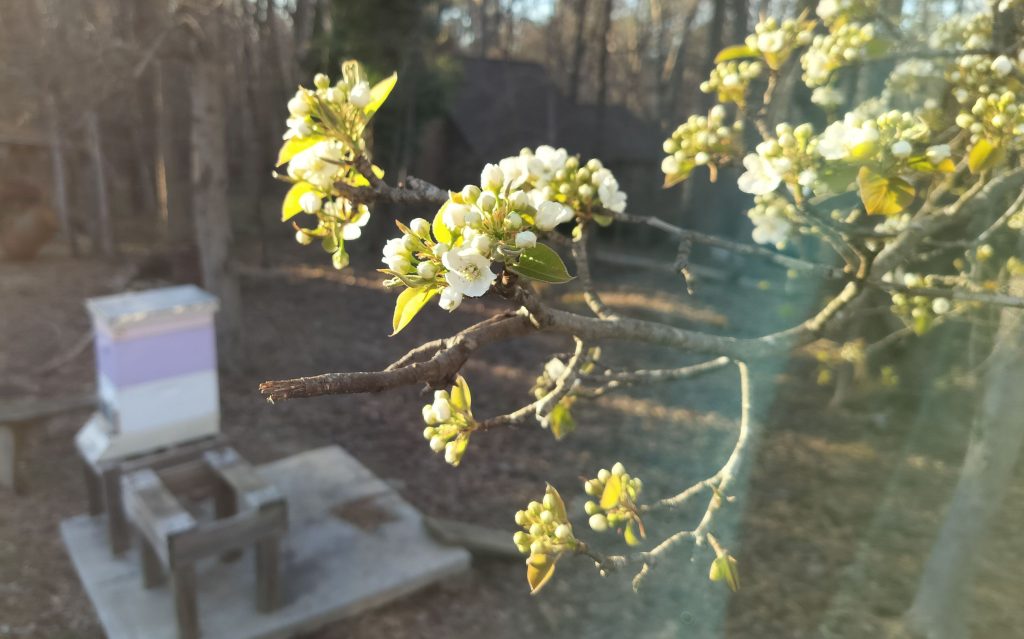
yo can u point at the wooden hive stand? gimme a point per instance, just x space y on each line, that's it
248 511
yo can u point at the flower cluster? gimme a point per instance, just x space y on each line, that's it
616 507
552 174
324 137
701 141
833 12
473 229
450 422
785 159
731 80
546 535
776 41
847 43
560 419
919 311
773 218
995 117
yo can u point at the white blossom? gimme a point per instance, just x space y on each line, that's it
454 215
469 272
1002 66
937 153
901 148
611 197
491 178
760 177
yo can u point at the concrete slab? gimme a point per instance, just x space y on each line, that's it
353 544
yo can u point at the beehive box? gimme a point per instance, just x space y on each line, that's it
156 369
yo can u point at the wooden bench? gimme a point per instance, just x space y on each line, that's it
248 511
17 417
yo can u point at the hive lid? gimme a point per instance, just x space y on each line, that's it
127 309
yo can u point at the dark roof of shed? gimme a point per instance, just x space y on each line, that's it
501 106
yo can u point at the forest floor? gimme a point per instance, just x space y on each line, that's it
831 535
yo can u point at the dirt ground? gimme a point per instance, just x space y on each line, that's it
840 513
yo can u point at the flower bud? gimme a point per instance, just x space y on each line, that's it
451 453
563 532
450 299
420 227
470 193
618 469
310 202
526 239
603 474
302 238
901 149
491 178
359 96
591 508
536 530
546 517
538 547
321 81
426 270
598 522
298 106
442 409
521 520
591 487
429 417
514 220
437 444
486 201
440 249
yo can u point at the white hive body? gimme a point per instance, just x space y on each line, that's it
156 369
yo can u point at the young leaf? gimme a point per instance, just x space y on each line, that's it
539 570
293 146
290 206
735 52
409 302
541 263
441 232
679 176
379 93
723 568
984 155
460 394
882 195
612 492
561 420
630 535
558 510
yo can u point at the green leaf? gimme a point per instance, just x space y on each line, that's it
561 420
735 52
612 492
984 155
882 195
409 302
723 568
558 509
293 146
290 207
379 93
441 232
539 570
630 535
460 394
541 263
677 177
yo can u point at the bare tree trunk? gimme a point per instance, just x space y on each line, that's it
60 187
941 606
602 73
103 233
172 155
210 203
577 52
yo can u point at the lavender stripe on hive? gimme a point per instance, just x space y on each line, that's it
153 357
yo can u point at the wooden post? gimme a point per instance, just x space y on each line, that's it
267 582
117 524
152 571
184 583
93 490
60 189
210 203
104 232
